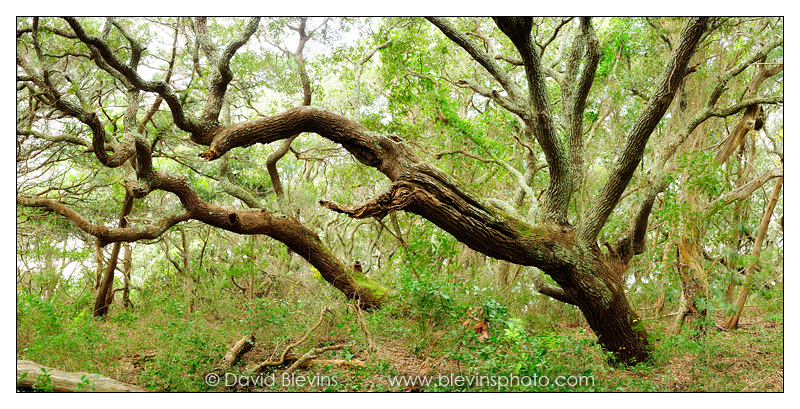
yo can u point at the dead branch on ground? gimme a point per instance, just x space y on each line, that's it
311 354
282 359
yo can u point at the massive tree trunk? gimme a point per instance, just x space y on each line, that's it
598 289
589 278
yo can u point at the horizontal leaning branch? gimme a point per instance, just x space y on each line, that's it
386 153
417 187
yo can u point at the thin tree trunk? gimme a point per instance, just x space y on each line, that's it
98 256
105 294
666 265
189 285
694 283
732 262
502 273
126 275
272 160
733 320
744 168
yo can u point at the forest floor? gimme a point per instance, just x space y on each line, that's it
164 351
745 360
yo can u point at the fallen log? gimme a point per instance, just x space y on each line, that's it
311 354
240 348
31 375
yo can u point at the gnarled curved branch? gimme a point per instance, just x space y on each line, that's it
418 186
555 202
272 160
574 92
222 74
637 137
482 57
544 288
161 88
742 192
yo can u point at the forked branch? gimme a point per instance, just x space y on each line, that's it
282 359
639 134
159 87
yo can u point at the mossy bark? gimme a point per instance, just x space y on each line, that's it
595 285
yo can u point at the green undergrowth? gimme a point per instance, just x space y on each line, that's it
433 336
446 327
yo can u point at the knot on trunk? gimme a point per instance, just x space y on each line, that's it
209 155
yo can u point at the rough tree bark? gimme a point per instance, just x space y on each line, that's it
589 278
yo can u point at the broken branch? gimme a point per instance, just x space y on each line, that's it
282 359
240 348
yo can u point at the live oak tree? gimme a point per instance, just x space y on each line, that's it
82 85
